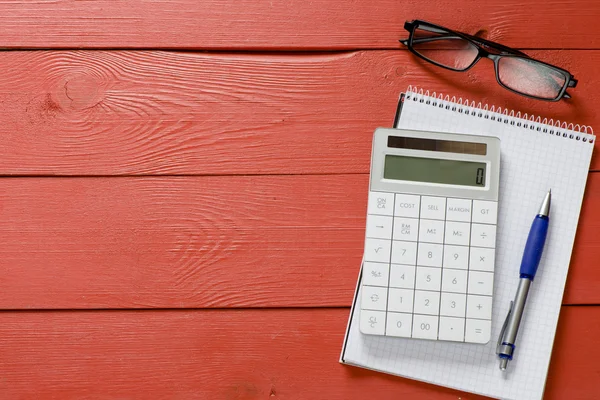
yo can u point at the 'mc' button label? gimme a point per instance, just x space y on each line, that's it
407 205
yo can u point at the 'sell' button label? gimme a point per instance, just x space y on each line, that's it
433 207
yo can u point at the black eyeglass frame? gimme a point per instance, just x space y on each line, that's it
481 44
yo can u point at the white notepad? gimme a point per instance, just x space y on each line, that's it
535 156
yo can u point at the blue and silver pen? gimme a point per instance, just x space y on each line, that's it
529 265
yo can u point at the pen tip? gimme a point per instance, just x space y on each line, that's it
545 207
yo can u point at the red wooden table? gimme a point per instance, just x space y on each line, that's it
184 186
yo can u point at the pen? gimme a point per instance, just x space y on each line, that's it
529 265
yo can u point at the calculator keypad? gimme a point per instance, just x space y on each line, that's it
428 267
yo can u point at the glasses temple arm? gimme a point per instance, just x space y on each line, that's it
430 39
470 37
572 83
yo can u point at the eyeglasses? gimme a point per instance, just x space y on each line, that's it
515 71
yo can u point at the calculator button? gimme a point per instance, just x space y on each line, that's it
482 259
453 304
381 203
372 322
427 302
454 280
485 212
400 300
483 235
402 276
428 278
479 307
433 207
431 231
457 233
406 229
407 205
399 324
478 330
404 252
373 298
377 250
425 327
375 274
430 255
452 329
458 210
379 226
456 257
481 283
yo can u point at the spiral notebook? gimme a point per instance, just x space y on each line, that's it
535 155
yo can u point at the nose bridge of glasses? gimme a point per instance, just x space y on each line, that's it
483 53
493 47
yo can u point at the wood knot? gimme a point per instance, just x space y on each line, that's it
81 91
482 33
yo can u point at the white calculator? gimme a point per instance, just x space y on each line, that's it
428 270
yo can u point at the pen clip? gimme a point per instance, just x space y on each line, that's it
501 337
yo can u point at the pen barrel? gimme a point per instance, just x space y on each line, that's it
534 247
514 321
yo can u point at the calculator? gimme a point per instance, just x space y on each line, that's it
429 256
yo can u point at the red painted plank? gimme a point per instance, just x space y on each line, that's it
583 280
116 113
173 242
233 354
287 24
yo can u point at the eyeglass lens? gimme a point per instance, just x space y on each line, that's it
444 48
530 77
523 75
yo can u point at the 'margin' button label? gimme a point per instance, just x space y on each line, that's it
458 210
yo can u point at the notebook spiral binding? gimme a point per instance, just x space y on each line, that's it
584 133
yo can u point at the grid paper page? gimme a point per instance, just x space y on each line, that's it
531 163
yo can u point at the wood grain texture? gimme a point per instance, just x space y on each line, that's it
287 24
234 241
124 113
233 354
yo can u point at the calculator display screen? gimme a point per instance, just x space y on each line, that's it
434 170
